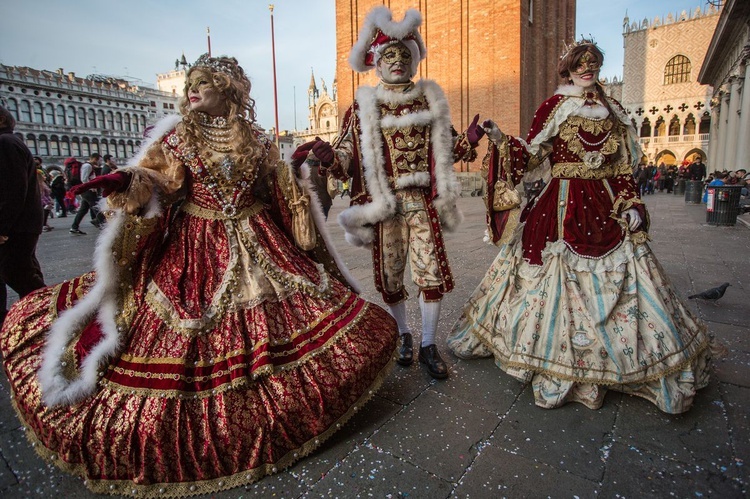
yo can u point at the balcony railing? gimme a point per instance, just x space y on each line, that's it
701 137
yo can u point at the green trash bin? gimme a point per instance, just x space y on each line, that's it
723 204
693 191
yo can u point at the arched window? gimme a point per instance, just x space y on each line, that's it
100 119
72 116
38 113
49 114
677 70
75 147
705 124
54 146
118 121
25 111
110 120
660 127
82 117
128 127
121 149
131 148
65 147
91 114
646 128
689 126
104 147
31 144
674 125
60 114
13 108
85 148
95 146
43 146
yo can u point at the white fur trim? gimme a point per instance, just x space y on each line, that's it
357 220
320 221
381 18
100 301
570 90
156 133
406 120
419 179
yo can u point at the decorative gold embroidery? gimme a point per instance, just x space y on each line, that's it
570 134
206 486
582 170
408 148
209 214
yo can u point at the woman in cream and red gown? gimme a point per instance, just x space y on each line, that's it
575 302
206 350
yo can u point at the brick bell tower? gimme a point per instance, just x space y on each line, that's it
495 58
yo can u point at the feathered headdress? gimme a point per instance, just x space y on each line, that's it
380 31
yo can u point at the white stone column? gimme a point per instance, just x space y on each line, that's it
733 126
723 113
743 150
713 137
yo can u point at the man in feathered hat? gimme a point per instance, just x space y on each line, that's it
397 147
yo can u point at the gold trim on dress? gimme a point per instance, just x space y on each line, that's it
213 485
209 214
582 170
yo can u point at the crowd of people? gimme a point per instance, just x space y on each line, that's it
651 178
58 196
220 325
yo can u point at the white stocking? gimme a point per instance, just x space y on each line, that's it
398 312
430 316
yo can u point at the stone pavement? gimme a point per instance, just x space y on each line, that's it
478 434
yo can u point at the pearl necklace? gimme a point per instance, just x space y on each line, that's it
216 132
218 136
594 144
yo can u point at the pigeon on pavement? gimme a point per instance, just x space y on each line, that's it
712 294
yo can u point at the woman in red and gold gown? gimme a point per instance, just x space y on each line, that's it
206 350
575 302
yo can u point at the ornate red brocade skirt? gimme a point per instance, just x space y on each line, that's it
198 402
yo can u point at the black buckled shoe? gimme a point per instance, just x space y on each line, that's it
405 351
430 357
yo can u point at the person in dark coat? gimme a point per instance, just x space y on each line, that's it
21 217
697 170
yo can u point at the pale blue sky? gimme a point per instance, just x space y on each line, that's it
139 38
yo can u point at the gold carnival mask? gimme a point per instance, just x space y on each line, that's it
396 53
199 77
588 63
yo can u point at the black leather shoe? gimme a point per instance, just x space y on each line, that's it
430 357
405 351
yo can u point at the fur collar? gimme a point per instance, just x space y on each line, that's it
357 220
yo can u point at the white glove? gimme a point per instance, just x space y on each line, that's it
632 218
492 131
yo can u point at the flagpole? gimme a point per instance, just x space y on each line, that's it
275 96
208 36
